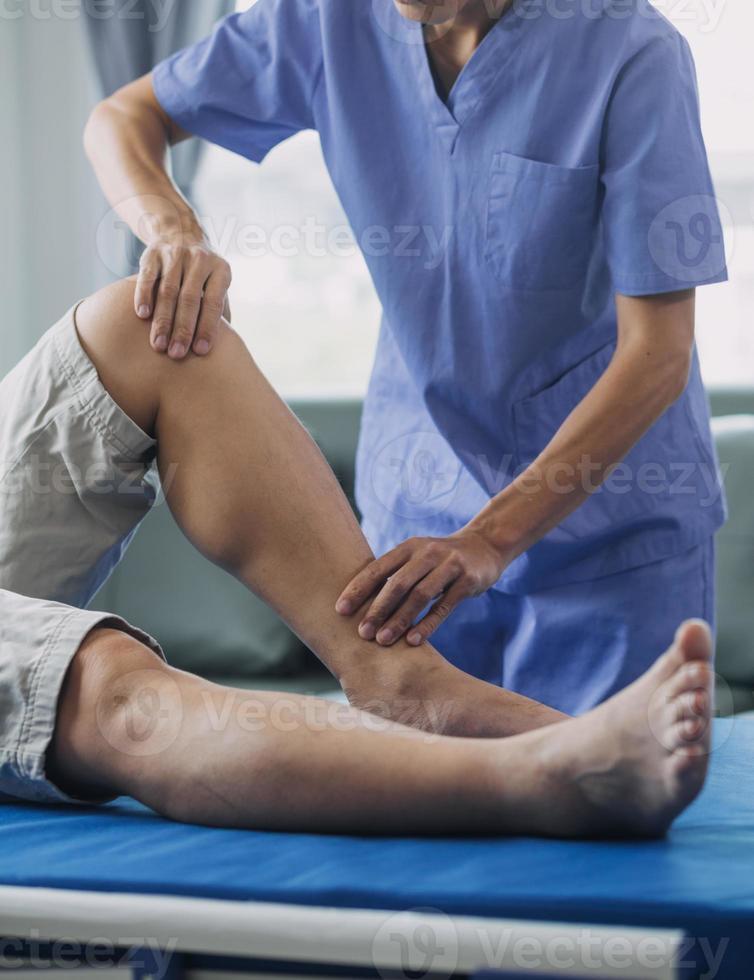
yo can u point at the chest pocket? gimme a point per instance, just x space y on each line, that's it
541 222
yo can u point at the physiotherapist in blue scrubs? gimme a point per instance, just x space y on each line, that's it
529 185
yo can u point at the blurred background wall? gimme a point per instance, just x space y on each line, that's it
50 203
59 240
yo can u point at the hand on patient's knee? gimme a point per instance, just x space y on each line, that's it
183 286
117 342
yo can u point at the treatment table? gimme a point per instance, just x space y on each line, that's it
119 886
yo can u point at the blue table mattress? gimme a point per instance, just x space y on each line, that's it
700 879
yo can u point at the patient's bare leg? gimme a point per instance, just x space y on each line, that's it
198 752
252 491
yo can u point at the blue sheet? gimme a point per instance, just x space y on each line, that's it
701 878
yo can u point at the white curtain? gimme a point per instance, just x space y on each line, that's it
55 64
139 34
48 199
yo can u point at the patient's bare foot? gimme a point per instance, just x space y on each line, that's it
634 763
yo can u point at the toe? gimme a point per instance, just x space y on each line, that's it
692 644
689 706
689 733
693 640
687 679
690 763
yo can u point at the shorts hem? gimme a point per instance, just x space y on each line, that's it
116 426
38 724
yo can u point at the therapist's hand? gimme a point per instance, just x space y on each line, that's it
183 288
440 571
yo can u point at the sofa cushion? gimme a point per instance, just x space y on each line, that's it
731 400
734 436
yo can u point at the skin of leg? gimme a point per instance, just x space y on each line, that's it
198 752
201 753
252 491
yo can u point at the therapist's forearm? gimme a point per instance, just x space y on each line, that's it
182 286
647 374
127 142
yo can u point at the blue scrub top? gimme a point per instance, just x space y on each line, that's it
566 165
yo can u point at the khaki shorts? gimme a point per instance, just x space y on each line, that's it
77 477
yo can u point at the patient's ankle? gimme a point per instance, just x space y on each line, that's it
407 685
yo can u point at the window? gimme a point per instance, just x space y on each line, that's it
302 296
720 34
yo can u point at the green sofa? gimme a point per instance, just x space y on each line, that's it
210 625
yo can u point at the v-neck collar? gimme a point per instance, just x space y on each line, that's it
476 78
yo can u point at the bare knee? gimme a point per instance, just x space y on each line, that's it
138 378
117 343
114 712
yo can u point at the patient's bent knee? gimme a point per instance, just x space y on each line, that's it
117 343
137 377
107 319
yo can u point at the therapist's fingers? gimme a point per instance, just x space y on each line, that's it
390 597
183 287
188 310
214 307
420 596
150 267
168 290
437 615
370 579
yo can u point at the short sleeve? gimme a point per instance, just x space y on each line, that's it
661 221
250 84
